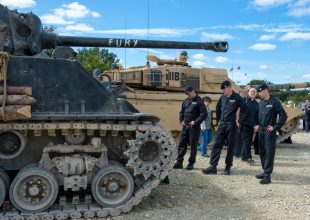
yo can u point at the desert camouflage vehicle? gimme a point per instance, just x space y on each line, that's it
160 90
70 147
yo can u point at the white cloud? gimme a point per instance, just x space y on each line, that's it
270 3
295 36
301 3
306 76
296 8
199 63
68 13
54 19
262 47
18 3
299 8
75 10
215 36
79 28
163 32
267 37
95 14
299 12
263 67
199 56
220 59
270 28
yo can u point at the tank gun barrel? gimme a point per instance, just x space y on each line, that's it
22 34
288 86
74 41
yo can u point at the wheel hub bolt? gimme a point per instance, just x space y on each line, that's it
113 186
34 190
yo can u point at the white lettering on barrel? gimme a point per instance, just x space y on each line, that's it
127 43
118 42
135 43
110 41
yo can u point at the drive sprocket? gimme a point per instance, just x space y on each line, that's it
152 152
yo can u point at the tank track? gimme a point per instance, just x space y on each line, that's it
90 209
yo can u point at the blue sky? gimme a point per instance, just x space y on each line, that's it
269 39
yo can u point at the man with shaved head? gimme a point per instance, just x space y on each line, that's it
247 128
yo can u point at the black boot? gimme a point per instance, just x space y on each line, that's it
227 170
260 176
178 165
165 181
265 180
190 166
210 170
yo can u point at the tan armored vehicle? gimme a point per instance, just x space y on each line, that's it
160 89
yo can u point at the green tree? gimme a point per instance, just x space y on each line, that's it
259 82
94 58
297 96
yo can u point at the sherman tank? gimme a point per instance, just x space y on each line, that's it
70 146
160 90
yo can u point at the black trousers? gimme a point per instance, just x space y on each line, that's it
189 135
307 124
238 143
224 132
267 150
256 147
246 136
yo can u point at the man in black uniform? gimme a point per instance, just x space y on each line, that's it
269 109
226 110
192 113
247 128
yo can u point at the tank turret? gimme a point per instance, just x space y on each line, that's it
22 34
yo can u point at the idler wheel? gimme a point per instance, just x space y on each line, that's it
112 186
4 185
12 143
33 190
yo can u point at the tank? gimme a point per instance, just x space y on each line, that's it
70 146
160 90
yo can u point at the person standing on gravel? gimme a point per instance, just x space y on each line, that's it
192 113
269 110
206 128
226 113
247 128
307 121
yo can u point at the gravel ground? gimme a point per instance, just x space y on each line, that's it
192 195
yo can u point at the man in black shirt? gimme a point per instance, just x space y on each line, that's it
269 109
247 128
226 110
307 121
192 113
